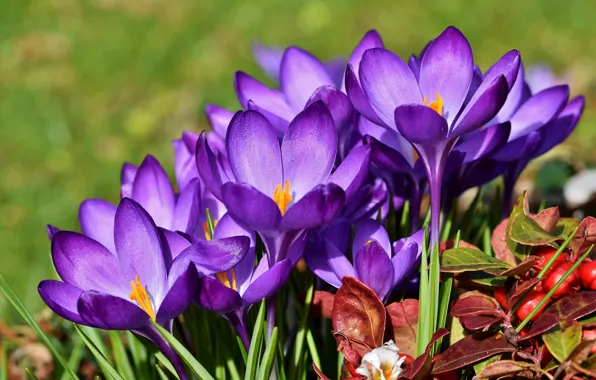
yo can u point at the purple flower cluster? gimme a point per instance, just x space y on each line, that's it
332 150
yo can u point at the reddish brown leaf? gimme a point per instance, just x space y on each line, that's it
449 244
516 293
421 367
504 368
585 236
404 320
499 244
358 316
322 304
471 349
475 303
479 322
547 218
520 269
319 373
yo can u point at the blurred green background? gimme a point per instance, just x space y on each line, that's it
88 84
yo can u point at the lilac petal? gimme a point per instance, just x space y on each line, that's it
326 263
374 268
404 262
560 128
86 264
541 77
217 297
268 283
127 177
174 242
278 123
268 58
182 290
367 201
188 208
515 150
315 209
352 172
152 190
254 152
52 231
538 110
62 298
337 103
248 88
371 39
219 119
250 207
110 313
139 247
483 142
336 68
368 230
297 247
507 66
388 83
210 170
515 98
212 256
386 157
300 75
185 165
308 150
447 69
96 218
420 124
387 136
358 97
483 108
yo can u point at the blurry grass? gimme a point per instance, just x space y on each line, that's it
86 85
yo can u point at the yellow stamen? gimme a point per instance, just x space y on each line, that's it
224 279
206 229
140 296
388 372
368 242
282 196
437 105
416 156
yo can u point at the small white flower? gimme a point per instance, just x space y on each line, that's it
382 363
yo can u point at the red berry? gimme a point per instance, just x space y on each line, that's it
555 274
544 254
408 359
501 297
529 304
587 274
590 335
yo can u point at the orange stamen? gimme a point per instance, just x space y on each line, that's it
224 279
206 229
282 196
437 105
140 296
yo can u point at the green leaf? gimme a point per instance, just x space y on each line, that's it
121 356
483 364
312 348
519 208
166 363
268 357
161 373
139 355
107 368
526 231
31 374
565 226
255 342
457 260
562 341
16 302
186 356
75 358
424 305
300 335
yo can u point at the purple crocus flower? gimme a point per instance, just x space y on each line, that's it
375 261
431 110
145 278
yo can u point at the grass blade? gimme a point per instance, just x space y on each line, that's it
301 334
255 342
312 348
139 355
161 373
105 365
16 302
75 357
424 305
166 363
31 374
3 362
267 362
121 355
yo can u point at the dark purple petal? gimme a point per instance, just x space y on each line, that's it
405 261
86 264
251 208
110 313
352 172
507 66
188 208
127 177
62 298
374 268
368 230
387 82
254 152
278 124
387 136
420 124
212 256
483 142
559 129
300 75
96 218
371 39
322 261
447 69
217 297
152 190
182 290
174 243
268 58
515 98
268 283
139 248
210 170
387 158
51 231
315 209
219 119
337 103
358 97
538 110
248 88
297 247
308 150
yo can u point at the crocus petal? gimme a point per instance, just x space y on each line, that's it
251 208
188 208
321 262
219 119
182 290
268 283
353 170
185 166
507 66
386 157
371 39
96 218
447 69
336 68
337 103
387 136
538 110
174 242
278 124
217 297
248 88
368 230
515 98
139 248
308 150
420 124
210 170
62 298
152 190
404 262
300 75
560 128
212 256
254 152
51 230
86 264
358 97
315 209
374 268
127 177
268 58
388 83
110 313
483 142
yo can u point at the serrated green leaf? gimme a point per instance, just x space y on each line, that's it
562 341
457 260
